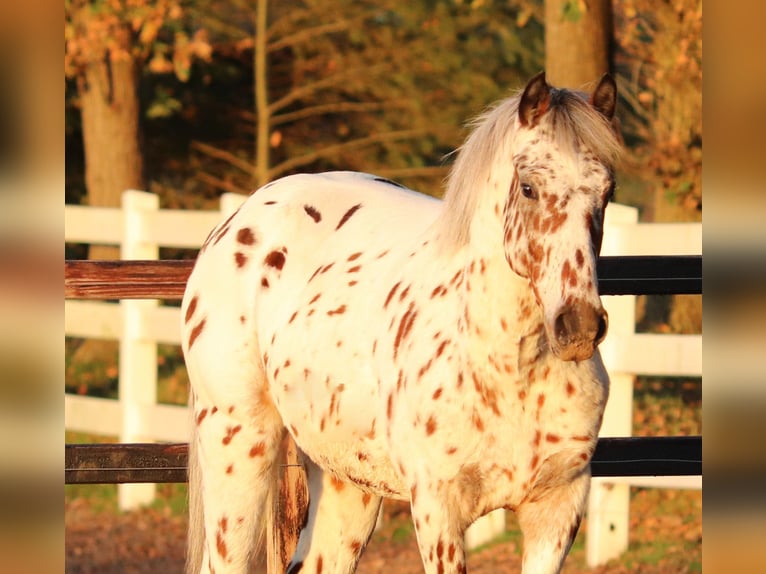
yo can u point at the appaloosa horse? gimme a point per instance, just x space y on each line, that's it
441 352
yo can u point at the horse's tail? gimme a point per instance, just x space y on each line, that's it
287 508
195 538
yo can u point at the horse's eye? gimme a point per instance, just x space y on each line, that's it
528 191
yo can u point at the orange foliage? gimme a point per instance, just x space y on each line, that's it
659 57
122 29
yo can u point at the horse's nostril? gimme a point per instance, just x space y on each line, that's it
603 325
560 326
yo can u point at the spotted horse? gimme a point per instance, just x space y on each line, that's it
439 352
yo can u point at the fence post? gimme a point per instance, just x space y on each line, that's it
609 503
138 356
230 203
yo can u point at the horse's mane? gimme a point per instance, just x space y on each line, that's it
571 120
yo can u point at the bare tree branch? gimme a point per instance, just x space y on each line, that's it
308 89
229 158
335 108
221 184
308 158
287 21
308 33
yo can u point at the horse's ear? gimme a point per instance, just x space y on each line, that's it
534 100
604 97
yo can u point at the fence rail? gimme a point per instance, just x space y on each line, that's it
158 279
162 463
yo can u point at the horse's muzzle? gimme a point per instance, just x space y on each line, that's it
577 331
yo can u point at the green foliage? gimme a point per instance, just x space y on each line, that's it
571 11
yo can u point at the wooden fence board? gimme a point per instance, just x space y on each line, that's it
637 275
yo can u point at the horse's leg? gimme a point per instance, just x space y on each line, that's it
439 529
340 521
549 523
238 434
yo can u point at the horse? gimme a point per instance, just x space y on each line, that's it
441 352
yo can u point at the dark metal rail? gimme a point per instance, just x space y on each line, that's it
121 463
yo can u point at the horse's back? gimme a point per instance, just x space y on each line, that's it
255 266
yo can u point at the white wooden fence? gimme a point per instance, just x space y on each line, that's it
139 227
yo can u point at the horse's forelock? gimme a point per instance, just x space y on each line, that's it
576 125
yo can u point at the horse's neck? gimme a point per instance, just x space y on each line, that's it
499 304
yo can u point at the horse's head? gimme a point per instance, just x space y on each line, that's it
563 154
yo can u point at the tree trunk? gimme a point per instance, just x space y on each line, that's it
578 35
109 106
262 112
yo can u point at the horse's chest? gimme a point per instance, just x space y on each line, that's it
545 435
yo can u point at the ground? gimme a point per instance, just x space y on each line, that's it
666 537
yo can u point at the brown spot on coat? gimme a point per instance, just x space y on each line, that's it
230 432
579 258
245 236
391 294
337 483
275 259
439 290
201 416
339 311
258 449
240 259
430 426
347 215
313 213
405 325
191 308
220 543
196 332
